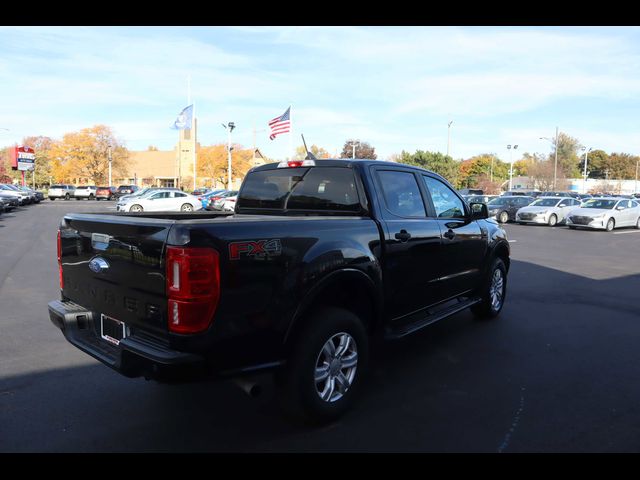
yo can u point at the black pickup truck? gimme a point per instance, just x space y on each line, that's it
319 259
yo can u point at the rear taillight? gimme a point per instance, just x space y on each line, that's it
60 261
193 288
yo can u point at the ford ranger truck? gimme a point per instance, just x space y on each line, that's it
319 258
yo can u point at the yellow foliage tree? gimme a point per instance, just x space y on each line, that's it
85 154
213 162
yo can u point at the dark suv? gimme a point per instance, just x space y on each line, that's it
126 190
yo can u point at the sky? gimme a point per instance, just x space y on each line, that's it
394 87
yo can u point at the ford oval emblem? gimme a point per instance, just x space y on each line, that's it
98 264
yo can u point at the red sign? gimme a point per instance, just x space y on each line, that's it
22 158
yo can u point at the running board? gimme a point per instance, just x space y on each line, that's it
401 331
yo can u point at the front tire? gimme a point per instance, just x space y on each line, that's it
611 224
553 220
66 196
638 223
493 291
503 217
324 370
52 199
136 208
91 197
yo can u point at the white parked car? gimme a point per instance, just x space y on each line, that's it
229 204
160 201
85 191
61 191
547 210
605 214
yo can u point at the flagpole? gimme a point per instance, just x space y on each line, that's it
193 129
290 134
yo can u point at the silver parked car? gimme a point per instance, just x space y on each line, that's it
605 214
547 210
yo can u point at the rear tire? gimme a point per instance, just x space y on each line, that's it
638 223
325 367
186 207
493 291
91 197
503 217
66 196
52 199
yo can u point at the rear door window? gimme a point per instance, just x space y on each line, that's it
401 193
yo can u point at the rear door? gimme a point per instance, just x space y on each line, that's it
412 243
463 241
126 279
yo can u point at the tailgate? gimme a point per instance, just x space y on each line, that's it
114 265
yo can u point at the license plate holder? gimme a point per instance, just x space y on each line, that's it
112 330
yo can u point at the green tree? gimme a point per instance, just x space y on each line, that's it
42 146
569 149
363 149
597 164
435 161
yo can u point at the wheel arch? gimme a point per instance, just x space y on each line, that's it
349 289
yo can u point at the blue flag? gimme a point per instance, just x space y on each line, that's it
184 119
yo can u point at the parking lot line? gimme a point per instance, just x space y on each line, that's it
628 231
513 241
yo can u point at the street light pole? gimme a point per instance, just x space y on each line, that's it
449 136
586 157
637 163
353 146
230 126
511 165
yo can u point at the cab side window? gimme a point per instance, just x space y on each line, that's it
401 193
445 202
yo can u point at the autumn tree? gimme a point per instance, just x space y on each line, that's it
435 161
317 152
486 164
213 162
363 150
86 154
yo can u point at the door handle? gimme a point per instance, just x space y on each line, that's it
403 235
450 234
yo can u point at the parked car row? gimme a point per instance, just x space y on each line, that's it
88 192
12 196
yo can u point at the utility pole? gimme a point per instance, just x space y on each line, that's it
449 136
637 163
491 170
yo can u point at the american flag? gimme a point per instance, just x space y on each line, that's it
281 124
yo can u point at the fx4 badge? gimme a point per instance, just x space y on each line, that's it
255 248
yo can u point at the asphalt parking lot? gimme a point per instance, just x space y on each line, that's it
556 372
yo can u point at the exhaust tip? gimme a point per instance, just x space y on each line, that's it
250 387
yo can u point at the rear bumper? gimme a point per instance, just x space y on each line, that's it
137 355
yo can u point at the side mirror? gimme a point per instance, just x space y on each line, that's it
620 207
479 211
